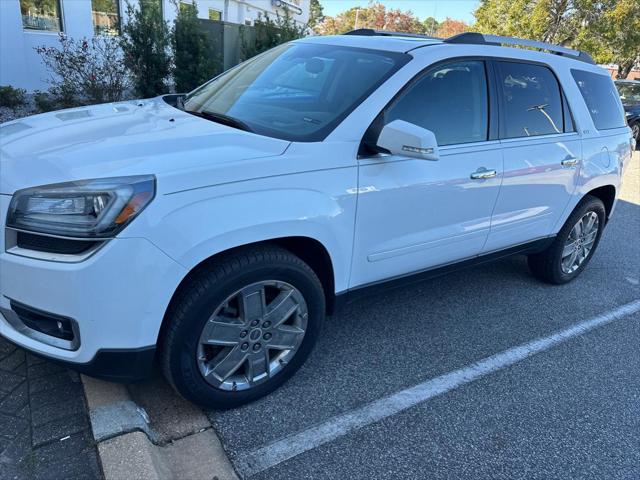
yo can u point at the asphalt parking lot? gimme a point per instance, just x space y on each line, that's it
571 410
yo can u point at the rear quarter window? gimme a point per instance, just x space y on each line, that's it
602 99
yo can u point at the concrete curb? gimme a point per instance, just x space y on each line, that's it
148 432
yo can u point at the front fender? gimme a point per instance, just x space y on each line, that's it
194 225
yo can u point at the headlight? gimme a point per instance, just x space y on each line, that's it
89 208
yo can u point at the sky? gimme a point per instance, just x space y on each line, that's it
439 9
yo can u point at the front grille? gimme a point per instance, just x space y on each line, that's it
43 243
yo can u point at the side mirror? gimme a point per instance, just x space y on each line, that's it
408 140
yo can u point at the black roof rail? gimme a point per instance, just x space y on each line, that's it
474 38
370 32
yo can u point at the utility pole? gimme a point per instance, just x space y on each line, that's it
355 27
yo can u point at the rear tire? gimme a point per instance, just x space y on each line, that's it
218 351
574 245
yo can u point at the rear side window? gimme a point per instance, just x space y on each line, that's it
602 99
451 100
531 100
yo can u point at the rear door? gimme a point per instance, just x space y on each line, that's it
542 154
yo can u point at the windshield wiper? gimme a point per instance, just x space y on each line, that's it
223 119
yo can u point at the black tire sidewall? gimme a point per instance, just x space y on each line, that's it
185 373
589 204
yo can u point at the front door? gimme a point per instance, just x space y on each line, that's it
415 214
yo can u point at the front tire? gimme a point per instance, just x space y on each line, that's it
240 328
574 245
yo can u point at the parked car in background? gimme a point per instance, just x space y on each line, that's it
213 232
630 95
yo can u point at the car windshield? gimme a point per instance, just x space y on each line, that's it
629 92
296 91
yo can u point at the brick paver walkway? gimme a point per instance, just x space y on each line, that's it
44 427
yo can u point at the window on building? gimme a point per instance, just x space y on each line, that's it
153 4
44 15
215 14
187 5
450 100
602 99
532 102
106 17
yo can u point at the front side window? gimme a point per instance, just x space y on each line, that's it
106 17
602 99
450 100
531 100
296 91
44 15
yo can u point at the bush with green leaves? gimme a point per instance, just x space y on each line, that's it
11 97
44 102
146 44
85 71
196 58
270 33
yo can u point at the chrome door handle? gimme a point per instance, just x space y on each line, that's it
483 174
569 162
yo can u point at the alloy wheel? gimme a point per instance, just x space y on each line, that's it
252 335
580 242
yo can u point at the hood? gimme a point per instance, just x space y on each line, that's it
127 138
633 107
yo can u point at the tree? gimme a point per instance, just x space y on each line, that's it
374 16
316 13
608 29
450 27
613 36
430 26
270 33
146 44
196 60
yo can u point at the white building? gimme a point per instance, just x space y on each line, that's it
27 24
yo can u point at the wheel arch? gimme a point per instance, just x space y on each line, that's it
308 249
606 193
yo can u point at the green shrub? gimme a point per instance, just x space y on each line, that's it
12 97
44 102
270 33
196 59
146 44
85 71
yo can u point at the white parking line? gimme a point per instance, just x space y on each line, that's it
265 457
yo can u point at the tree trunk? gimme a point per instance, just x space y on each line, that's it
624 68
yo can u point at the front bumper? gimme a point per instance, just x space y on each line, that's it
117 298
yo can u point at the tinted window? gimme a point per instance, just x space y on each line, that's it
296 91
531 100
602 99
450 100
629 92
41 15
106 17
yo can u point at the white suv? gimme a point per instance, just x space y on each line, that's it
212 232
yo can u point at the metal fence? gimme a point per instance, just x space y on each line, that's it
229 40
